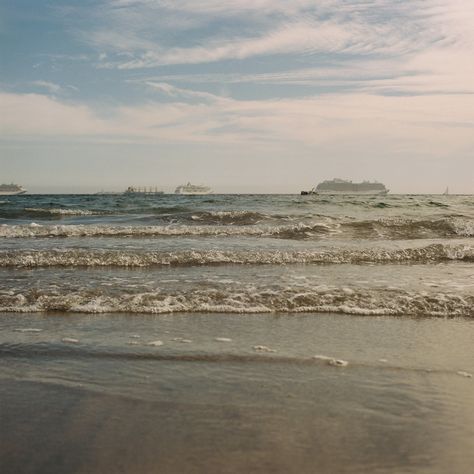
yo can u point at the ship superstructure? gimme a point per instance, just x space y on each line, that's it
149 190
192 189
342 186
11 189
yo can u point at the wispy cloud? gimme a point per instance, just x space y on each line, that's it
418 124
302 27
374 51
177 92
376 46
50 86
300 37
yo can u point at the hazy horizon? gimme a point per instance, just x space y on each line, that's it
265 96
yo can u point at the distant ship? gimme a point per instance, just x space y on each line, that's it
192 189
11 189
132 190
342 186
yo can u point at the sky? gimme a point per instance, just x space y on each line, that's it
241 95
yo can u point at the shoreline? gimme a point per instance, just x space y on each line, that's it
111 402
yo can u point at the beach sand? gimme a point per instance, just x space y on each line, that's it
403 403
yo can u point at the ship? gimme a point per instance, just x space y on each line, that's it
11 189
192 189
342 186
133 191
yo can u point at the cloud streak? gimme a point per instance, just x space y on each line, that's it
300 27
374 46
50 86
420 124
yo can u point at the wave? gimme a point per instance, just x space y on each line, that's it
60 212
37 230
44 213
229 217
173 214
119 258
321 299
402 228
388 229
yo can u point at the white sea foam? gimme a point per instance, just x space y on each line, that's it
332 361
182 340
263 349
174 230
155 343
97 258
229 217
70 340
395 228
34 330
243 299
223 339
61 212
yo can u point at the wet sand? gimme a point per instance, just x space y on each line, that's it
217 404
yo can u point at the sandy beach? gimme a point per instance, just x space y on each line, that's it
81 395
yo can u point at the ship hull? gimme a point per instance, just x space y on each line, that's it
11 193
353 193
139 193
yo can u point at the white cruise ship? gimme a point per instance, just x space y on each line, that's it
342 186
11 189
192 189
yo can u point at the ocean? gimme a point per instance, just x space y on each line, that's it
236 333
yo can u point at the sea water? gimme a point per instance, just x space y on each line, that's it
236 333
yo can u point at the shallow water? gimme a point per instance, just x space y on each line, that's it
89 394
201 334
387 244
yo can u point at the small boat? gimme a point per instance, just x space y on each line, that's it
446 192
309 193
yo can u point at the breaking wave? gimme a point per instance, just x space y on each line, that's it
60 212
45 213
246 300
389 229
229 217
120 258
38 230
412 229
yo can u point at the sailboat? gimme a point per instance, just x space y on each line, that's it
446 192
